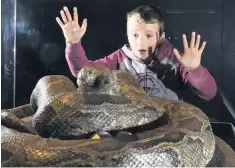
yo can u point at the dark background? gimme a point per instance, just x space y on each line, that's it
39 44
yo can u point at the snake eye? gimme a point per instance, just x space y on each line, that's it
97 82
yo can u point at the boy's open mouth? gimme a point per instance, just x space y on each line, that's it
142 51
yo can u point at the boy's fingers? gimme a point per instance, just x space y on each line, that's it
59 22
185 42
197 41
67 14
203 46
75 15
63 16
192 42
176 52
84 24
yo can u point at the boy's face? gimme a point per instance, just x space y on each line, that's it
142 37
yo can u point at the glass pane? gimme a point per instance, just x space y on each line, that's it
8 55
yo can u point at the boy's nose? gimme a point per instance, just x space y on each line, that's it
141 42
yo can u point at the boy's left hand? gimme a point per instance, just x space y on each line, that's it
191 58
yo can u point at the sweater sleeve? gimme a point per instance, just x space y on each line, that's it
201 80
77 59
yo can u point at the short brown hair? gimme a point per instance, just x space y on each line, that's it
149 14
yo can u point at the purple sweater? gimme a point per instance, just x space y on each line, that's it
201 81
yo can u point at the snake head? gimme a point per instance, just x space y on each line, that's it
95 79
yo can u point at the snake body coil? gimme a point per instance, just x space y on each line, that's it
109 101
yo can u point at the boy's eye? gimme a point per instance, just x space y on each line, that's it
135 35
149 35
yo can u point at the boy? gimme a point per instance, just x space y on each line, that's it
149 56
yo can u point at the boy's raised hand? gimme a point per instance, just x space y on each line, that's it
191 58
73 32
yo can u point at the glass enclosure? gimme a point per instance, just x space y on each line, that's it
33 44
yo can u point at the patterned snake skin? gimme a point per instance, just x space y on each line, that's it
109 101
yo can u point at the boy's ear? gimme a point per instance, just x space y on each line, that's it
162 38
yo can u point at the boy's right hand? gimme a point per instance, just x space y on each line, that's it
73 32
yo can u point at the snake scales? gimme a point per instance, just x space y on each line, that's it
105 100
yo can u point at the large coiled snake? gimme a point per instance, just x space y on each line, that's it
109 101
